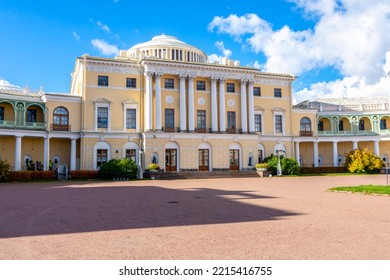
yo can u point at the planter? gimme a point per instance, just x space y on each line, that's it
261 169
263 173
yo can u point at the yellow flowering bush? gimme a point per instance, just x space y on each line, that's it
363 161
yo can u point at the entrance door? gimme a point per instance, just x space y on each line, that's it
234 159
203 159
170 160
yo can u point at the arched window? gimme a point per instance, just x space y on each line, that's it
61 119
305 127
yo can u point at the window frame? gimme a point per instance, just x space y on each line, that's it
99 118
278 125
169 83
169 116
201 85
101 162
102 81
31 115
231 87
201 119
258 126
131 122
131 82
231 120
277 92
2 113
255 89
130 154
61 116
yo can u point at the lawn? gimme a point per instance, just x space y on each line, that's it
365 189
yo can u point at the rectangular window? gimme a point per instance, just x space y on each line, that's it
130 154
131 82
103 81
31 115
101 157
278 124
201 121
320 126
382 124
131 118
230 87
231 120
169 120
1 113
277 92
200 85
257 91
257 122
102 117
169 83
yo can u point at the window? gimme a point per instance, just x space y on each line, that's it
382 124
277 92
230 87
131 154
305 124
131 119
103 81
31 115
201 120
260 156
169 83
169 120
361 125
1 113
341 125
102 117
101 157
320 125
200 85
231 120
131 82
257 91
61 116
278 124
257 123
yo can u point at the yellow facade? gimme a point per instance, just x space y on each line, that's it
161 102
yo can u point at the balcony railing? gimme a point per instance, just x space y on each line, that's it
171 129
346 133
305 133
27 125
60 127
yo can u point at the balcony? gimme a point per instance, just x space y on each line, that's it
305 133
28 125
347 133
60 127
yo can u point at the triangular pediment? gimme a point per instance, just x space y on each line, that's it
278 109
259 108
102 100
130 101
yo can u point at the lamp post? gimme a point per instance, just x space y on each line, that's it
280 153
387 159
141 174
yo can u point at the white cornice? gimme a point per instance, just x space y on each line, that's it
113 66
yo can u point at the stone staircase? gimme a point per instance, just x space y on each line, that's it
205 175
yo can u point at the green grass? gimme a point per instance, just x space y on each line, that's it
365 189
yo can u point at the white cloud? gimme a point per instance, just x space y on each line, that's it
221 48
76 36
104 47
5 84
351 36
103 27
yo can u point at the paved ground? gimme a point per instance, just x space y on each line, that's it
250 218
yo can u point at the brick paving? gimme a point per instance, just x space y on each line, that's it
234 218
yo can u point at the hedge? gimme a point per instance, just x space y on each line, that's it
30 175
84 174
323 169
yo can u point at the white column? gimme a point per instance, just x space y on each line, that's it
251 107
244 119
18 153
355 145
297 153
214 110
376 148
46 156
148 102
72 154
222 111
335 154
183 107
315 145
158 102
191 104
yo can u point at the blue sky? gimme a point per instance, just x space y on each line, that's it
336 47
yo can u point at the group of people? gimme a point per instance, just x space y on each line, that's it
38 166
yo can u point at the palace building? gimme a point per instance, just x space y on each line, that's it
162 102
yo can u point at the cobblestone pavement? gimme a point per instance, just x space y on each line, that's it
240 218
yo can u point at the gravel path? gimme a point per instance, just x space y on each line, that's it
243 218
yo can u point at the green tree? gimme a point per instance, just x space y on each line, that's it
118 168
363 161
5 169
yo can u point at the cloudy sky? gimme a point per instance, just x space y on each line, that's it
336 48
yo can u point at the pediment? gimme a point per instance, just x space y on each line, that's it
130 101
102 100
278 109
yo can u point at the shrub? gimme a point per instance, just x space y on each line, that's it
5 169
289 166
323 169
31 175
153 166
363 161
118 168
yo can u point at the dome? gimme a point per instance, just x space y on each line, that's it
168 48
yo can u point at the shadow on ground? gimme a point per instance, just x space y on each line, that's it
41 210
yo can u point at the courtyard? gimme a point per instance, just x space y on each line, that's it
234 218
